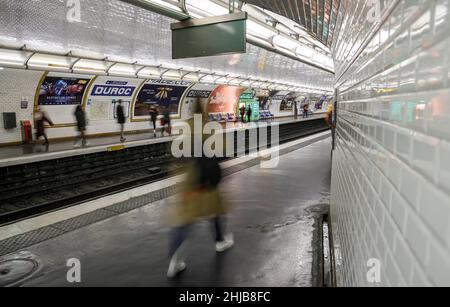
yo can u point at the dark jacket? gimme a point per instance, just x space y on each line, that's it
166 116
39 124
81 117
120 115
249 112
153 115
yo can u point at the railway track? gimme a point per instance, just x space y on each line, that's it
32 189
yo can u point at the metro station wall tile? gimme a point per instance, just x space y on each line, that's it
439 265
435 209
417 236
404 257
393 112
444 165
398 210
15 86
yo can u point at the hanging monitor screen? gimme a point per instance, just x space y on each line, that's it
209 36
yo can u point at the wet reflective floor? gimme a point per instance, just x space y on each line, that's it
273 220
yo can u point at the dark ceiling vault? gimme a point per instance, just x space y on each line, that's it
318 17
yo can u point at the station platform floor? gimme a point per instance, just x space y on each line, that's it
274 220
20 154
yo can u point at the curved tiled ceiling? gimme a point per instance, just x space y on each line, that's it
318 17
122 32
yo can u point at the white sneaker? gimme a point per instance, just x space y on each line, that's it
175 268
77 145
225 245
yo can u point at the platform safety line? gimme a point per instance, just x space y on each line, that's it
61 215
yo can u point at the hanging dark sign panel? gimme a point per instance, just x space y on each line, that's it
210 36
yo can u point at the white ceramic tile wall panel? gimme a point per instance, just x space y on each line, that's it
391 168
444 165
16 85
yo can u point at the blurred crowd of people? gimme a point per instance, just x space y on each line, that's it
41 120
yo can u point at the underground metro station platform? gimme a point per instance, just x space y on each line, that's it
217 146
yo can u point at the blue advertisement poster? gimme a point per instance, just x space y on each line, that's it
62 91
162 93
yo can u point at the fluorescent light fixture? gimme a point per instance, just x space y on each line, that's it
13 58
91 66
222 80
167 5
304 51
52 62
245 83
172 75
124 70
285 42
235 81
259 41
260 31
208 79
208 7
1 68
191 77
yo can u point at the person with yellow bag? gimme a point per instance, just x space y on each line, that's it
329 118
200 199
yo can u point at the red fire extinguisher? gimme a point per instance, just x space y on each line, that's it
27 132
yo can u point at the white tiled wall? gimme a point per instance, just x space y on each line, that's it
391 166
16 85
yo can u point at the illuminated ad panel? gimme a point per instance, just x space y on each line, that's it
59 93
276 100
198 93
62 91
224 99
287 104
263 97
162 94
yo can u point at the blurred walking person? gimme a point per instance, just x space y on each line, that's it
121 120
166 122
329 118
295 110
153 117
80 116
249 114
200 200
39 122
242 109
305 111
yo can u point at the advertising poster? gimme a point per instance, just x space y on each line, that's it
276 97
266 100
287 104
162 93
198 93
62 91
224 99
319 104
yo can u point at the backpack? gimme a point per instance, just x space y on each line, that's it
210 172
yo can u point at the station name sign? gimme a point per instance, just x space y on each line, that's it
199 94
113 90
168 82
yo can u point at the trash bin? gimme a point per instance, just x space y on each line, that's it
27 132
